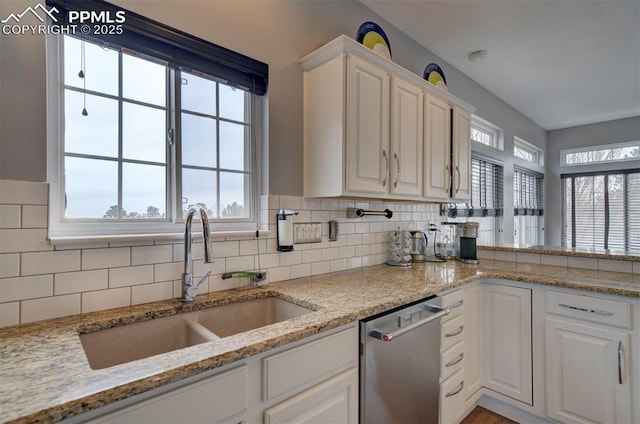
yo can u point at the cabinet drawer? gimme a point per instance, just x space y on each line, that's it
452 398
305 365
451 360
587 308
451 332
454 302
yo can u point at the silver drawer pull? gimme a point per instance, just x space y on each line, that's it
620 362
387 337
455 333
456 391
455 361
457 304
593 311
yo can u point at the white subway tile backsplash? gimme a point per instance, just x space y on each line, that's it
24 240
615 265
636 267
130 276
553 260
9 314
144 255
9 265
362 250
354 239
20 288
505 256
240 263
528 258
301 270
106 258
347 252
355 262
168 271
320 267
330 253
330 204
106 299
485 254
279 274
151 292
290 258
23 193
291 202
338 265
314 255
584 263
226 249
10 216
34 216
49 307
81 281
50 262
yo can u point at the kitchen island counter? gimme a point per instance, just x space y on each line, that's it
45 376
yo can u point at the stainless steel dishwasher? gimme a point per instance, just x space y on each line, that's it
400 364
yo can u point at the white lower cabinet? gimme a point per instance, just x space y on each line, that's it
472 339
310 381
588 378
507 354
333 401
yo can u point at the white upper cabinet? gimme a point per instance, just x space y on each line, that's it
406 139
461 159
365 125
368 154
437 150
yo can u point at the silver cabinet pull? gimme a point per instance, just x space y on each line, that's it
455 333
593 311
450 179
386 171
457 304
455 361
395 156
457 390
387 337
459 178
620 353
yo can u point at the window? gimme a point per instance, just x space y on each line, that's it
143 134
485 133
486 205
601 211
601 154
527 151
528 206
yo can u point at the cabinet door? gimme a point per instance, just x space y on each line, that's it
407 138
472 337
461 154
367 151
437 149
334 401
508 361
586 381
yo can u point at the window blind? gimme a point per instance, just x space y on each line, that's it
486 192
602 210
179 49
528 193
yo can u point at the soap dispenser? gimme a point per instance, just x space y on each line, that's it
285 230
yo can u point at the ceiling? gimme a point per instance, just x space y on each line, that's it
561 63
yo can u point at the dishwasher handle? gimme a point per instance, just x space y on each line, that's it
387 337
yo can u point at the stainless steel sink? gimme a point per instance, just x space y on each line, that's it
118 345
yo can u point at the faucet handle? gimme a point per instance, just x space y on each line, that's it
204 277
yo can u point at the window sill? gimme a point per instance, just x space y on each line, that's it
157 237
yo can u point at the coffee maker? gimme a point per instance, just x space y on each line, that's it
466 237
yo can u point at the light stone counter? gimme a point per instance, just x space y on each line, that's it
45 376
621 255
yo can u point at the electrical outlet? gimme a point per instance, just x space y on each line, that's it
307 232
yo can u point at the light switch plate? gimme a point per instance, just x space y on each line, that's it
307 232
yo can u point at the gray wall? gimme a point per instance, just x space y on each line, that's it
617 131
278 32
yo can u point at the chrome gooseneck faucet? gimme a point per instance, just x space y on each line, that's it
189 290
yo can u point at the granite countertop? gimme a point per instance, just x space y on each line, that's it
45 376
621 255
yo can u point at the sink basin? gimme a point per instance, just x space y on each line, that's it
118 345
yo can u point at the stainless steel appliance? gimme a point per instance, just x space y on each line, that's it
466 237
400 364
419 244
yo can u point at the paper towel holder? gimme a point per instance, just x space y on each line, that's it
285 230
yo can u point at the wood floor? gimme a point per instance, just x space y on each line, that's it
481 415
